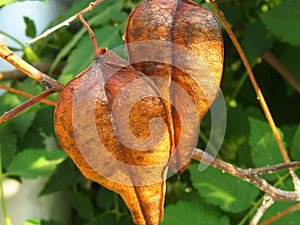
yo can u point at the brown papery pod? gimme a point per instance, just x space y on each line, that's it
114 126
178 44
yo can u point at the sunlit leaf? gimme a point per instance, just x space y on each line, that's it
31 164
264 148
65 175
224 190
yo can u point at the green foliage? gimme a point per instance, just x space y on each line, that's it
31 163
264 148
40 222
227 192
283 18
207 197
30 27
191 213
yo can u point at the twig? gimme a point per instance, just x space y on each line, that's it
273 168
259 94
27 69
267 203
281 214
66 22
248 175
24 94
270 58
43 67
25 105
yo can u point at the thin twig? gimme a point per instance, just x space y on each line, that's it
273 168
66 22
270 58
247 175
27 69
24 94
267 203
259 94
281 214
53 29
25 105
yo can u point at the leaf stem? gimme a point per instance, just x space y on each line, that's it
13 38
2 197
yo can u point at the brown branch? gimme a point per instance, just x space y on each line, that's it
6 116
27 69
43 67
248 175
24 94
259 94
281 214
270 58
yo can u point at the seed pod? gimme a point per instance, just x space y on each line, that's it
102 121
178 43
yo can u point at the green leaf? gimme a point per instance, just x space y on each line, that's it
24 121
8 143
191 213
256 40
40 222
283 19
295 152
264 148
105 198
109 11
44 121
30 54
83 55
6 2
81 203
102 14
31 164
224 190
289 58
30 29
65 175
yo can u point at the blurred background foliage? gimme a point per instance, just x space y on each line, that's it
208 197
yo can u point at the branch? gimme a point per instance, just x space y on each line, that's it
259 94
282 70
24 94
249 175
25 105
43 67
27 69
267 203
66 22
